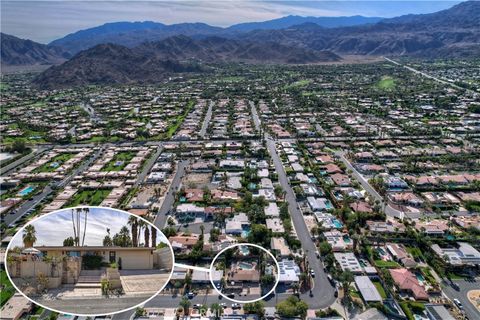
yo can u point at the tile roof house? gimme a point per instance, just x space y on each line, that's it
406 281
341 179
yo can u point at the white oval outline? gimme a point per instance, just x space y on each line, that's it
244 244
92 314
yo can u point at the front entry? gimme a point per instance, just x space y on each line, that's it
113 257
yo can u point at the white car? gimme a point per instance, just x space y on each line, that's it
458 303
236 306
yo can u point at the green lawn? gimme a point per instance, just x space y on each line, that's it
415 252
175 124
59 159
298 84
8 289
125 157
386 264
386 83
380 289
89 197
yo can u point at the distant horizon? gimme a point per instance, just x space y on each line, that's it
51 230
46 21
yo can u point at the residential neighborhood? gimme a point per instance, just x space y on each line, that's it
362 181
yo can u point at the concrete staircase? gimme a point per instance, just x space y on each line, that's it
89 279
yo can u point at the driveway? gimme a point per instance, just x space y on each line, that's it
142 282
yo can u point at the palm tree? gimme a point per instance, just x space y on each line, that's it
140 224
154 237
346 278
85 216
217 310
74 228
146 235
133 223
29 237
185 304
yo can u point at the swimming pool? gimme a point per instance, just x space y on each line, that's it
245 265
54 165
245 231
244 250
420 277
337 224
328 204
25 191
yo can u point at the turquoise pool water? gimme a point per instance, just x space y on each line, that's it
244 250
54 164
420 277
245 265
337 224
25 191
328 204
245 232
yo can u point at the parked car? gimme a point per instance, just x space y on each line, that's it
190 295
458 303
312 273
236 306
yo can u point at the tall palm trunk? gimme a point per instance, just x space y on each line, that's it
74 228
154 237
147 236
85 212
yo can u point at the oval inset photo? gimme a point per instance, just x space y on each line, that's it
244 273
89 261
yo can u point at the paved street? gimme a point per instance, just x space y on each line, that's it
93 305
389 211
148 166
323 292
256 119
206 121
169 200
36 199
448 82
460 293
9 167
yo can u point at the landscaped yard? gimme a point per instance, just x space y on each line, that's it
7 290
386 264
415 252
54 163
119 161
410 308
386 83
89 197
380 289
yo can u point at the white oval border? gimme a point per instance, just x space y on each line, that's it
251 245
91 314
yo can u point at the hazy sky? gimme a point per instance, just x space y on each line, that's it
52 229
44 21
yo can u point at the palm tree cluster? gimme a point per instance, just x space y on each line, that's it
77 225
131 237
29 236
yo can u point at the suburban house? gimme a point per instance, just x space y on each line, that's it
407 282
464 254
131 257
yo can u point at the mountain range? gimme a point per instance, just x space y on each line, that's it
153 61
16 51
454 32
